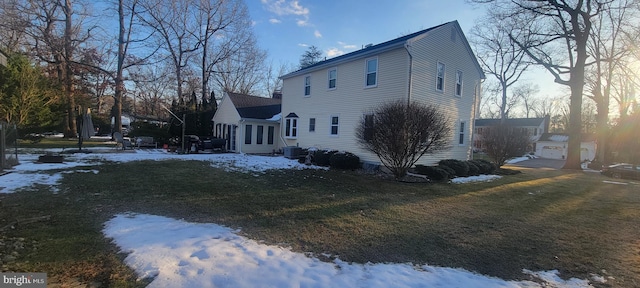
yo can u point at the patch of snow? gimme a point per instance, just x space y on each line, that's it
276 117
479 178
517 159
181 254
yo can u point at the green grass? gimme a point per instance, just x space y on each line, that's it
538 220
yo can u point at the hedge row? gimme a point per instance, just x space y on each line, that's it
332 158
451 168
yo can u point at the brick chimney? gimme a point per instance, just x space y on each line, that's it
277 94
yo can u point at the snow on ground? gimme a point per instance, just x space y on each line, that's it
181 254
479 178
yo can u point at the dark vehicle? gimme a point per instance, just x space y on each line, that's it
622 171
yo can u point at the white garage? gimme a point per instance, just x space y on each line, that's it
554 146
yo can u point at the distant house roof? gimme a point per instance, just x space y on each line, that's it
255 107
378 48
562 137
517 122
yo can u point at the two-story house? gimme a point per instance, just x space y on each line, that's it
322 104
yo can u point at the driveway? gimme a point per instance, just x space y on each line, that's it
540 163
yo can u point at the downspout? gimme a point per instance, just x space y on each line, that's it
475 109
241 134
407 47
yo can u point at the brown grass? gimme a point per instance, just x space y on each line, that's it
537 220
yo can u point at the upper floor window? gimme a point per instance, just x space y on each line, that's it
458 83
307 85
440 77
334 125
333 76
372 72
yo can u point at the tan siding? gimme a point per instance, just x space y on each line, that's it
254 147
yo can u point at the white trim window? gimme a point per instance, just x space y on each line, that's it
332 76
462 133
312 124
307 85
459 83
291 127
440 77
335 123
371 72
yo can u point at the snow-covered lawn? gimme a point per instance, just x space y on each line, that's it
182 254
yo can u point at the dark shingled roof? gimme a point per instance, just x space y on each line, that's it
255 107
373 47
518 122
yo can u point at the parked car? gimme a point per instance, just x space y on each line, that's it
622 171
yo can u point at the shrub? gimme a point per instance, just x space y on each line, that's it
434 173
485 166
344 160
450 172
322 157
461 168
474 170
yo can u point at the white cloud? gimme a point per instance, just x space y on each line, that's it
302 22
317 34
283 7
274 21
333 52
303 45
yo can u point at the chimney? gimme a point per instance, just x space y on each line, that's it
277 94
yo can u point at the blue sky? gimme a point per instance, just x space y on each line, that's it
287 27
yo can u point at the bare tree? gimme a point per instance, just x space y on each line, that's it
555 33
243 71
227 45
499 56
608 47
527 95
503 141
400 134
174 27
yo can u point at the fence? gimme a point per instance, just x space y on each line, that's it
8 146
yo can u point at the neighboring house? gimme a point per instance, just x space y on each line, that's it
323 103
251 124
534 126
554 146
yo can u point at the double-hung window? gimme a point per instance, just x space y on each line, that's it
440 77
335 120
368 127
461 133
307 85
332 75
372 72
459 83
312 124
